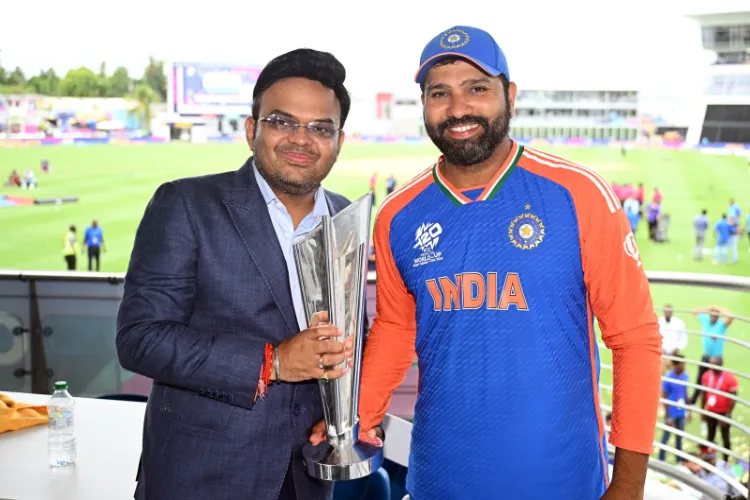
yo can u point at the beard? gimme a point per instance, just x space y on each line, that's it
290 179
475 150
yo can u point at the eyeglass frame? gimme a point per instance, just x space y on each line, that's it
296 125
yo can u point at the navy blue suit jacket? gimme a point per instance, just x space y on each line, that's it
206 288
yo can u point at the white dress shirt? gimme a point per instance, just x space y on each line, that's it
673 334
285 232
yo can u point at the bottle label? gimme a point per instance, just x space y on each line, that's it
60 419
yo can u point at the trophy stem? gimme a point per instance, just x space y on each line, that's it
332 265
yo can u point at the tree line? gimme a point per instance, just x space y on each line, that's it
84 82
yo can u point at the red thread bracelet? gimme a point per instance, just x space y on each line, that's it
265 373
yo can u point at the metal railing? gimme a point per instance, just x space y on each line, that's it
689 480
703 388
736 283
706 365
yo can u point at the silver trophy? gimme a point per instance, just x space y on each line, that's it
332 267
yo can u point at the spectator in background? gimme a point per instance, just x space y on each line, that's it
633 211
700 225
70 247
719 380
734 238
14 179
29 180
657 196
373 185
708 455
654 209
723 231
675 416
734 213
673 334
93 241
640 194
711 323
390 185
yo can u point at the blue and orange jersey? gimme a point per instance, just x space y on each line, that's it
496 289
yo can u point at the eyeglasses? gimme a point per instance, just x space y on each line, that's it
287 126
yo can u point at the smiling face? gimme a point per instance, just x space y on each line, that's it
467 113
295 160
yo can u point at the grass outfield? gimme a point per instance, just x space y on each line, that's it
114 183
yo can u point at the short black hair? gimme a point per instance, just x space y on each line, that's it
453 59
704 212
312 64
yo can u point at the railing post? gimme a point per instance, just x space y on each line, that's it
39 373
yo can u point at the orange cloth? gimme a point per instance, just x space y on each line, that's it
15 416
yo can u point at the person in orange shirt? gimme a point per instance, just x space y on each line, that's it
491 267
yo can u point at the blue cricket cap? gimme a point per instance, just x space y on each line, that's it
472 44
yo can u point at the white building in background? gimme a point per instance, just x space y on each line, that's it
4 114
723 113
576 113
386 114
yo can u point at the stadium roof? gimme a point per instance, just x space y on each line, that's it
713 18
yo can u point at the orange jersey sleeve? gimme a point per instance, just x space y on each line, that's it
390 347
621 302
619 298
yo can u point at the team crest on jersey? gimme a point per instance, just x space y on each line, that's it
526 231
426 239
454 39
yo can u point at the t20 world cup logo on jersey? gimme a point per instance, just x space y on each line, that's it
427 237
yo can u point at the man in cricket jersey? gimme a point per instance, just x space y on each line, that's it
491 267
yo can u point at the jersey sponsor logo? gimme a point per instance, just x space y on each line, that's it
631 249
426 239
526 231
477 291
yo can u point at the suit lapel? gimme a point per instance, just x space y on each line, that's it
334 206
250 217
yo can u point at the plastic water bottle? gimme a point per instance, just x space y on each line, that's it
61 444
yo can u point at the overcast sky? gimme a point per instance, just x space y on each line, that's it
644 44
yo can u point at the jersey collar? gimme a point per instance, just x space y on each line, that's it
490 190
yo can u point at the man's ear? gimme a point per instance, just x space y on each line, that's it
342 136
512 91
250 124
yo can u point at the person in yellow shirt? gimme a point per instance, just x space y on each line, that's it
70 247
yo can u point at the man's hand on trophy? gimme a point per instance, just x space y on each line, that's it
310 353
374 436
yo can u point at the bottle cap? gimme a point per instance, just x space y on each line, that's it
60 386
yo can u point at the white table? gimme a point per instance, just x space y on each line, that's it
108 437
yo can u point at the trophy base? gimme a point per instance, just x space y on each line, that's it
342 462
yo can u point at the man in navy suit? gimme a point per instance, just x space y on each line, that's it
212 309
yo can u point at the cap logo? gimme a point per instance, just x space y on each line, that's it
454 39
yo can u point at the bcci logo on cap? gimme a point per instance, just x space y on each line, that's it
454 39
526 231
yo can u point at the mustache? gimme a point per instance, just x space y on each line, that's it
465 120
292 148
